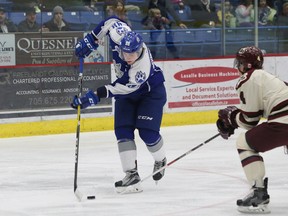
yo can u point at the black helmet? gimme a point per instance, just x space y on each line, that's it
250 57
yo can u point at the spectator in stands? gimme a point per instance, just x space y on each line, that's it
266 13
128 7
230 19
166 8
118 9
282 18
183 11
29 24
277 5
178 4
245 13
181 5
57 23
6 25
155 20
204 13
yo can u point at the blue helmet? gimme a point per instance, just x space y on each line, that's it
131 42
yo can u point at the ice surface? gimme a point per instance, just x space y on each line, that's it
36 176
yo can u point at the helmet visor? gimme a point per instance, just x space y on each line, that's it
130 58
236 63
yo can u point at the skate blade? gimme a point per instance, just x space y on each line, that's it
260 209
136 188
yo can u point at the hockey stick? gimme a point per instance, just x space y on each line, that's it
181 156
77 193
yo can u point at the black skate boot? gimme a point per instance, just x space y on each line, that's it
158 165
130 183
256 201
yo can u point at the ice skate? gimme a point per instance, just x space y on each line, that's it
256 202
130 183
158 165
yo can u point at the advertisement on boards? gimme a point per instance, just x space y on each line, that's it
46 47
7 49
201 84
48 90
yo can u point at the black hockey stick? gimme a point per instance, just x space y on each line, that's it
181 156
77 193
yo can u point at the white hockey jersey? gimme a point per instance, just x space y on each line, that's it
132 79
261 95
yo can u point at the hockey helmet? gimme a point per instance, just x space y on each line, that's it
131 42
250 57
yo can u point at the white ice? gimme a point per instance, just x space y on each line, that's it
36 176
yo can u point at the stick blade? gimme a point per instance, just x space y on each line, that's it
78 195
83 196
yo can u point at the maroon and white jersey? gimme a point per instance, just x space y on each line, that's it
261 95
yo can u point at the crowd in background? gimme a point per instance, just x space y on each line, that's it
151 14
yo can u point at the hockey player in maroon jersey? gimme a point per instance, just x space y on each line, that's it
262 95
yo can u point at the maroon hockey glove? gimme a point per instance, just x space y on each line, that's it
224 131
227 121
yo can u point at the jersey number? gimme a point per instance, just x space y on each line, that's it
242 98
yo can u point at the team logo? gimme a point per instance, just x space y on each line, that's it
140 77
121 30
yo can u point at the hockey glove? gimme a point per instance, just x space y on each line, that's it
89 99
226 123
85 46
224 131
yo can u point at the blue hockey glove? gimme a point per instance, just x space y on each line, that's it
226 123
85 46
88 99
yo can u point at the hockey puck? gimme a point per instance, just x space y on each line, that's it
91 197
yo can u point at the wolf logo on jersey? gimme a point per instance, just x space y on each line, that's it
140 77
121 30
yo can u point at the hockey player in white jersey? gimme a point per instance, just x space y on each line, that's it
262 95
139 94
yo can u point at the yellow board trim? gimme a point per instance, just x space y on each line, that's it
96 124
